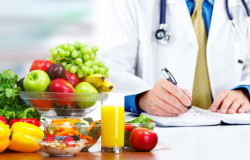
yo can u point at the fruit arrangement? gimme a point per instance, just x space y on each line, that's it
86 130
72 68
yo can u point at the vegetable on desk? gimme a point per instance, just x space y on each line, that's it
11 105
142 139
139 122
24 118
25 137
4 136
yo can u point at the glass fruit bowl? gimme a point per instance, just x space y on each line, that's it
53 104
86 130
129 127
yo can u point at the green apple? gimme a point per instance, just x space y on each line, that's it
85 87
36 81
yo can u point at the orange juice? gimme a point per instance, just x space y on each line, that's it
112 133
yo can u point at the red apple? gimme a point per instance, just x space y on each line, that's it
72 78
62 86
41 65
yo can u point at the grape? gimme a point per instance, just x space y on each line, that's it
85 69
74 54
86 57
50 59
71 48
73 69
64 64
67 53
89 52
78 58
61 53
80 74
79 55
94 49
77 44
101 64
102 70
90 62
87 64
106 75
96 62
53 52
83 45
78 61
84 51
95 68
91 71
68 66
106 69
64 46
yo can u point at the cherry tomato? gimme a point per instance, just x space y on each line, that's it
142 139
129 127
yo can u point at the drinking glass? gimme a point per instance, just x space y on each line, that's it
112 117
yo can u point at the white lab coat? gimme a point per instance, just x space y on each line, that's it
135 57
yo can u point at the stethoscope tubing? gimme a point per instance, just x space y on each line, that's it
230 16
163 12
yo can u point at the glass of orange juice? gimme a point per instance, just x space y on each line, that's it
112 117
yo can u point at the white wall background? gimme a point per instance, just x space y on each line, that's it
28 29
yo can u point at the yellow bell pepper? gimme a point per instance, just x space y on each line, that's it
4 136
25 137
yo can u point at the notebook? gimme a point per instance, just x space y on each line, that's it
201 117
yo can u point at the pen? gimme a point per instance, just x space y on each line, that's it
168 76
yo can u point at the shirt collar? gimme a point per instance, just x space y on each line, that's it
209 1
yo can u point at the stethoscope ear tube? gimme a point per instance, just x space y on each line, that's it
227 10
246 7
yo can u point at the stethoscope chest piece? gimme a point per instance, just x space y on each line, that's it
163 35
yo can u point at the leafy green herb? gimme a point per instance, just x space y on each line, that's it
11 105
141 119
88 119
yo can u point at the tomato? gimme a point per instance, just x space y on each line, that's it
142 139
129 127
41 65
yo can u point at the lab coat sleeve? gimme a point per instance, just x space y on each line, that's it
243 25
119 46
244 87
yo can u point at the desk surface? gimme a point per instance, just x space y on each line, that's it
231 142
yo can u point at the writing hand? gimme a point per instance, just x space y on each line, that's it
165 99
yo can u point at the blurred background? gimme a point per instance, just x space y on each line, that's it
28 29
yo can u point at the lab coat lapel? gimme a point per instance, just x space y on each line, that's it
185 18
219 18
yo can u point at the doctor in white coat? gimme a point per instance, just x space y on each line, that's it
136 57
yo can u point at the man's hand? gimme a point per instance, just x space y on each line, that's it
231 102
165 99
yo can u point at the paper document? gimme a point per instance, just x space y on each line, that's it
201 117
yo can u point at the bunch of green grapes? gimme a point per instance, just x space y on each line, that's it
79 59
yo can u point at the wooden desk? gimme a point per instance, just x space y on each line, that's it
231 142
127 155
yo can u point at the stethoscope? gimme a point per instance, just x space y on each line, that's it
163 35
